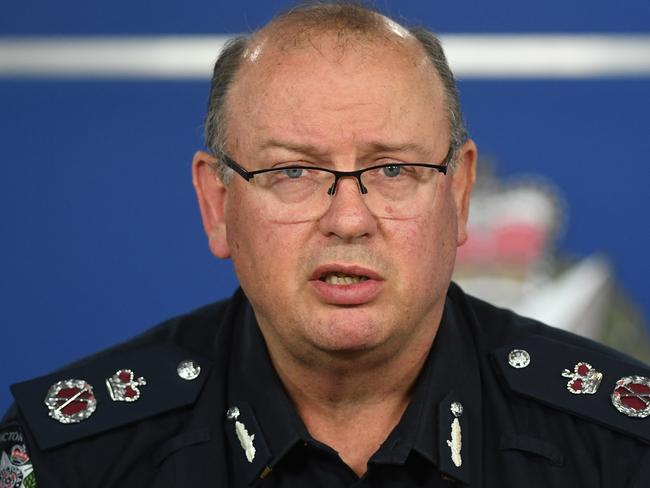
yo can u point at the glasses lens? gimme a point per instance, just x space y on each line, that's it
397 183
300 194
293 185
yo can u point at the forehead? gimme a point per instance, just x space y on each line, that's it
363 85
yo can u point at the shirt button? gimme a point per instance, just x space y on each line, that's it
519 358
188 369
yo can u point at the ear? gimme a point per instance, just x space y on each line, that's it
211 194
462 182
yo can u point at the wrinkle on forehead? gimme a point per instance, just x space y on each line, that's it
279 60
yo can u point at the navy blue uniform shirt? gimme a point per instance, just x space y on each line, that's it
480 415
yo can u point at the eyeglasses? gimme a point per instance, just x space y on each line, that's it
298 192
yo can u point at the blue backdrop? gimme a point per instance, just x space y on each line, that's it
100 234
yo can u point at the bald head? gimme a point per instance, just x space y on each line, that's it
349 25
331 31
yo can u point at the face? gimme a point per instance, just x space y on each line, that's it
343 109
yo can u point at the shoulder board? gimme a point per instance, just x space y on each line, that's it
109 391
608 390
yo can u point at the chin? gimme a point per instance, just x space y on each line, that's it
349 337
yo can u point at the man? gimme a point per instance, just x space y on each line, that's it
337 180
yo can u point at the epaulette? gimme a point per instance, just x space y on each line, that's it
589 383
109 391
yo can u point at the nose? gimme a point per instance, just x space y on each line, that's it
347 217
362 188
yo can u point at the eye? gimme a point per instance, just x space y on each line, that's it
293 173
391 171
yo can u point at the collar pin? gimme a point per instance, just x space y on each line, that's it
456 442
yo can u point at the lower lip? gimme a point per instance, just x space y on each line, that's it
353 294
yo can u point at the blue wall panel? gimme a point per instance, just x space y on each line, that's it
209 16
100 236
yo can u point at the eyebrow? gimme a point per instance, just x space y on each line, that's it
381 147
370 148
308 149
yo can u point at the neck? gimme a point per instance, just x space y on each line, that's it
342 381
352 401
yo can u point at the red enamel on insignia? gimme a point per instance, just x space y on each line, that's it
577 385
583 380
77 405
19 455
70 401
631 396
122 387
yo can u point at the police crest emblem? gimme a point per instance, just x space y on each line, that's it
16 469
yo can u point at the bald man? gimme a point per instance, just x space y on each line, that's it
337 178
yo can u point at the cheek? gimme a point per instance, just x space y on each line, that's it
246 238
263 253
432 232
427 245
252 250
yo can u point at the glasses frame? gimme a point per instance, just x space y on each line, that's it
249 175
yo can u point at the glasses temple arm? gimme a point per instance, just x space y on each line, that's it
247 175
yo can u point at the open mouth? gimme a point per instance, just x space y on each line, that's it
342 279
346 284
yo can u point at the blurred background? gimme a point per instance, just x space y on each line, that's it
101 107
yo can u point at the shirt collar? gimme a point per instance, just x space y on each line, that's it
455 379
265 409
450 375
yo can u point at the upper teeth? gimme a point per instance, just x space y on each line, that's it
343 279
